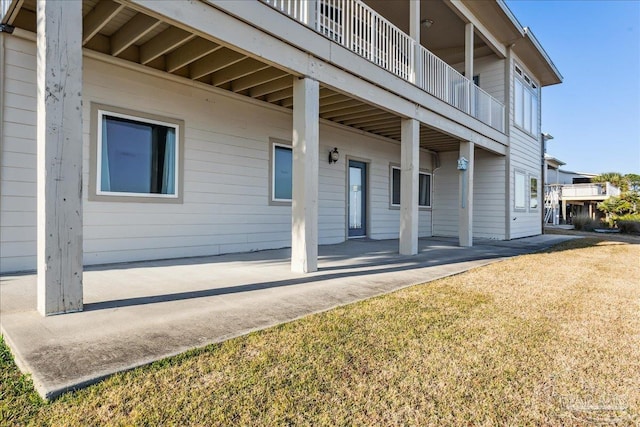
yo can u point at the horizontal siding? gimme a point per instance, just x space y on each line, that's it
18 158
445 196
226 166
491 72
525 156
489 195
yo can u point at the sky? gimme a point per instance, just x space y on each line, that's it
594 115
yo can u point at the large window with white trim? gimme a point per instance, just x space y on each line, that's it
525 102
136 156
424 188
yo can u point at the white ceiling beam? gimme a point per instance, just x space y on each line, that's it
163 43
131 32
240 69
280 95
349 102
374 112
99 16
355 109
257 79
190 52
274 86
367 120
213 62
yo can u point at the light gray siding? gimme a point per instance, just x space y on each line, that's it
491 72
526 157
488 195
226 165
445 200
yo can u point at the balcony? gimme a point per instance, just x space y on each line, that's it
594 191
359 28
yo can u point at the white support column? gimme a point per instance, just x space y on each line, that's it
468 64
414 32
409 171
59 156
304 206
468 51
465 217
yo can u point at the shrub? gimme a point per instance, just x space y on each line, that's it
585 223
629 224
630 217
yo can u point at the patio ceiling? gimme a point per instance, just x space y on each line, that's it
117 30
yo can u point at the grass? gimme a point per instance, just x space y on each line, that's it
543 339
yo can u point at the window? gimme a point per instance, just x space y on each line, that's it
136 156
525 102
281 172
533 193
520 190
424 188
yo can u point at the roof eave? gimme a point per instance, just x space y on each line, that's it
543 53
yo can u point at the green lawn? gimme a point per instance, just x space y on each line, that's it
543 339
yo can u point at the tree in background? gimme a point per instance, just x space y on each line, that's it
614 178
628 202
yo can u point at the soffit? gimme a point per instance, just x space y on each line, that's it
160 46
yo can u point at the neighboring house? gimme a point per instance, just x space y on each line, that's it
174 129
569 194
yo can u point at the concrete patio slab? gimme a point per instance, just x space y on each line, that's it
137 313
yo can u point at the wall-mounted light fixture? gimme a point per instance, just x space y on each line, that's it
426 23
334 155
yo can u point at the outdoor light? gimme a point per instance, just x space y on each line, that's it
427 23
334 155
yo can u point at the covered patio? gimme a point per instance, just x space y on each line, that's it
136 313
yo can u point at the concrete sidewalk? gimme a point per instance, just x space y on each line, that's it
137 313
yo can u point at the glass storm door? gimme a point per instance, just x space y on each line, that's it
357 199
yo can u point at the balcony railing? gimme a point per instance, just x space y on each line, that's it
360 29
589 190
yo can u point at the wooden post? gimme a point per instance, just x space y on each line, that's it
468 63
414 32
59 156
465 216
409 175
304 204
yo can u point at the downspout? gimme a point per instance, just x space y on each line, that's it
3 76
542 194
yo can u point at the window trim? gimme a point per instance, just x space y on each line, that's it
273 143
534 209
392 205
528 84
95 193
522 208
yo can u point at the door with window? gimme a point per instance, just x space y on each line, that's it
357 199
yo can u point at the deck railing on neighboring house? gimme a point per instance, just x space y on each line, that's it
356 26
589 190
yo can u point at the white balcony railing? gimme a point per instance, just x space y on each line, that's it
360 29
589 190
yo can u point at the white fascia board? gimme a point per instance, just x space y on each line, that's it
534 41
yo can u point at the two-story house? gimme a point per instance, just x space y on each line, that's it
143 129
